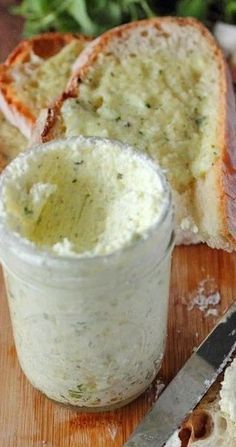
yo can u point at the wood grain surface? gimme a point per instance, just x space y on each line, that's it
28 419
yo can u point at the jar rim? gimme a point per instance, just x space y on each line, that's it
29 252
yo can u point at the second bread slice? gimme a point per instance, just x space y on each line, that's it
35 74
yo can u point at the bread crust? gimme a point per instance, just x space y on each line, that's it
3 161
45 46
224 170
228 169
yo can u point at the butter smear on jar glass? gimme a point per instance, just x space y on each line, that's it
86 233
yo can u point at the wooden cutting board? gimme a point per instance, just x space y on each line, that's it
28 419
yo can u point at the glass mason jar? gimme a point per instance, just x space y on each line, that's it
90 332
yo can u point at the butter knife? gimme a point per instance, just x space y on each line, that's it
189 386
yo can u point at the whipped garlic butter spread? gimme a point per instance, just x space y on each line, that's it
88 201
85 241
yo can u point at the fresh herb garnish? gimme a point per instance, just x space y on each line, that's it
87 16
94 17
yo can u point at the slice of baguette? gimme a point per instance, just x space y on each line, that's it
12 142
163 86
35 74
208 425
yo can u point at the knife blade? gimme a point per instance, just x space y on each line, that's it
189 385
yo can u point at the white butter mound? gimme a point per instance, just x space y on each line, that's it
83 199
64 248
228 392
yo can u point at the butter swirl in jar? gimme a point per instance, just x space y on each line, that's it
86 232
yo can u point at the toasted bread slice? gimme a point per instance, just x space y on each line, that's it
12 142
34 74
163 86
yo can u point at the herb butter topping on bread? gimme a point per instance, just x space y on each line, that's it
162 85
12 142
35 74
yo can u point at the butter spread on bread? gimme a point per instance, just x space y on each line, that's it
35 74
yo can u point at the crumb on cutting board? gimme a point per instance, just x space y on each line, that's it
206 297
